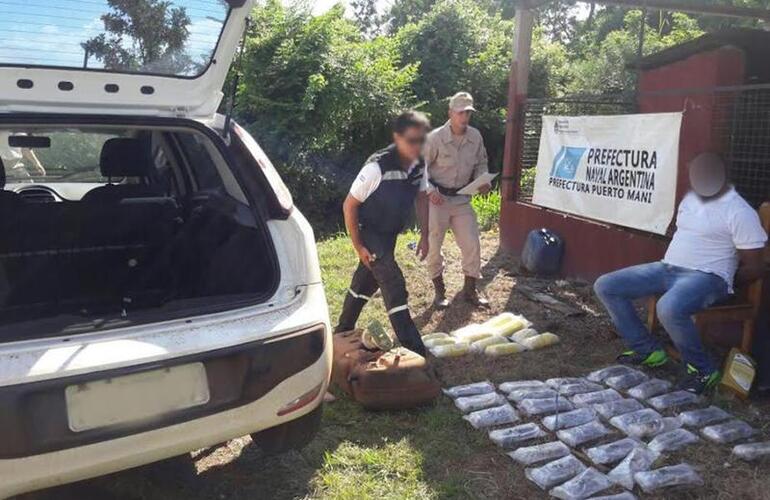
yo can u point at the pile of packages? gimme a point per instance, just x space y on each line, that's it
502 335
603 434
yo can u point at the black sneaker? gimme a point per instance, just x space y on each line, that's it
698 383
652 360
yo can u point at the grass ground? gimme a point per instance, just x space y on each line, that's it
431 452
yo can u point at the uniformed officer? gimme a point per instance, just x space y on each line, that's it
377 209
455 155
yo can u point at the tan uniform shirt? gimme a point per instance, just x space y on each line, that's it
453 162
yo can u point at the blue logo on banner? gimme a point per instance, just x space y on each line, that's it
566 161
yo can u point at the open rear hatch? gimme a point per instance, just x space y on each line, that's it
137 57
110 225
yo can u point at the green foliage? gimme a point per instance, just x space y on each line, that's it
314 84
605 66
459 45
403 12
487 209
366 16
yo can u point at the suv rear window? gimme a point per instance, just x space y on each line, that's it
166 37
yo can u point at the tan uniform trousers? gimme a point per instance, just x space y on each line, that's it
462 220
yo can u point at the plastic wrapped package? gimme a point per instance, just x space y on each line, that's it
675 475
471 333
587 483
672 440
431 343
635 417
569 419
554 383
504 349
650 388
728 432
529 455
576 436
489 417
752 451
506 438
451 351
617 407
433 336
703 416
598 397
626 380
579 388
555 472
673 399
546 406
524 334
613 452
516 385
645 423
620 496
541 341
468 404
637 460
479 346
506 324
460 391
539 393
669 424
611 371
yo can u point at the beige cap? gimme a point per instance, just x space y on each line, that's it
461 101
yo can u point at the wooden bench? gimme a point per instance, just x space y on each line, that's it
744 306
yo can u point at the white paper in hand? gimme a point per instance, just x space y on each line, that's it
473 187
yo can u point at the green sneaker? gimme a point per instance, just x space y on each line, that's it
652 360
698 383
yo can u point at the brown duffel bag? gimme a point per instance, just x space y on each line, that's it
397 379
349 351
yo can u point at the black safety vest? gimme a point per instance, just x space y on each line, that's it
389 208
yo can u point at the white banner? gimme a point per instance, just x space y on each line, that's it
620 169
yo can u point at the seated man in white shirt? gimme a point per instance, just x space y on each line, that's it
719 237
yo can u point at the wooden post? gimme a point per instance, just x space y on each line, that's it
518 83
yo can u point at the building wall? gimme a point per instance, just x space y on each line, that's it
594 248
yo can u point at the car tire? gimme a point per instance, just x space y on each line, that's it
292 435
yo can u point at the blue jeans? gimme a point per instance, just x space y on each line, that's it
683 293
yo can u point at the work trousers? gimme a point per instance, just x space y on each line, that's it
683 292
461 218
386 276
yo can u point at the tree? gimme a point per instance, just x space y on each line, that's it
459 45
603 68
319 97
366 16
146 35
403 12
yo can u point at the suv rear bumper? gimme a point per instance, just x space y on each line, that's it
269 381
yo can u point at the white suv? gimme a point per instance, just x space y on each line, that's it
158 291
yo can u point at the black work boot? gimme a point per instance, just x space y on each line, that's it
440 302
471 293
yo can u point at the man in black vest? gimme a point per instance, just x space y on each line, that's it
377 209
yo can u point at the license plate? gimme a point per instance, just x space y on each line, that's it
136 397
